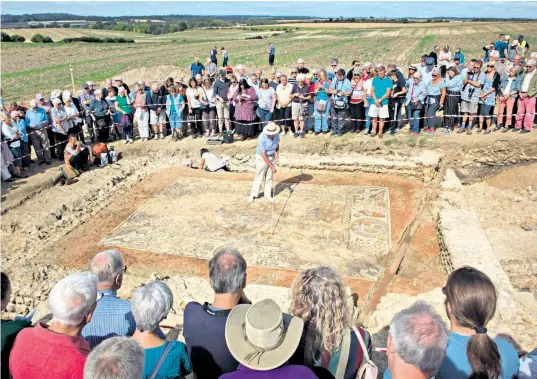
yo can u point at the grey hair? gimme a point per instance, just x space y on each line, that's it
154 86
72 298
151 304
420 337
494 53
115 358
227 271
531 62
98 92
334 60
436 70
121 89
107 265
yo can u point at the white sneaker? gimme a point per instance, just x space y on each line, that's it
125 141
251 199
131 141
162 136
270 199
156 136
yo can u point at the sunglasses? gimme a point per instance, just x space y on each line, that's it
490 66
334 65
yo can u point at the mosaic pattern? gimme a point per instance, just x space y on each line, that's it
345 226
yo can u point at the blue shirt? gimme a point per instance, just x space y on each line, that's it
35 118
267 145
196 69
21 124
435 89
176 365
456 365
381 86
342 86
112 317
454 84
272 50
501 46
415 91
469 92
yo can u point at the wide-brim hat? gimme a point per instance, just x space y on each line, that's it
260 336
271 129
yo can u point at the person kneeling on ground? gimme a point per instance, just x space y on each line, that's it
211 162
77 155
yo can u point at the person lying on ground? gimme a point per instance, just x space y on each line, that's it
211 162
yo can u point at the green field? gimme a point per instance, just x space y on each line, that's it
28 68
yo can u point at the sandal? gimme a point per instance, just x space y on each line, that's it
488 131
479 131
469 132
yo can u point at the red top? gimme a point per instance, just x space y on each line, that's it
40 353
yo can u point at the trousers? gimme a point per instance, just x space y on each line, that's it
262 172
41 145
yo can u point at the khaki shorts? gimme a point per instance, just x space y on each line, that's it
468 107
222 109
155 118
297 112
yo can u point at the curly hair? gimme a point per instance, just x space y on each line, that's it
318 297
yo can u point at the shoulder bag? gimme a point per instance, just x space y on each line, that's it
368 369
203 106
340 103
160 362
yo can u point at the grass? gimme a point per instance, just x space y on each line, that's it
28 67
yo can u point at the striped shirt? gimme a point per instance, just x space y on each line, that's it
112 317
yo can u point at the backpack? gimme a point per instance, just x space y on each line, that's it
368 369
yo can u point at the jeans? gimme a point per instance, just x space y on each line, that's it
308 122
367 117
414 121
337 124
321 119
176 121
264 116
125 123
431 114
225 62
41 145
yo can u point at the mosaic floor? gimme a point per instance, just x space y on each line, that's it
347 227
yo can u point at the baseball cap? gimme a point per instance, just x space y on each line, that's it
86 86
117 79
429 61
229 69
222 72
521 36
90 83
39 96
412 68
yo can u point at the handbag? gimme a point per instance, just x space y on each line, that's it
368 369
320 106
101 123
339 104
303 110
161 360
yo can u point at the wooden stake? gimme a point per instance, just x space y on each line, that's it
273 203
72 78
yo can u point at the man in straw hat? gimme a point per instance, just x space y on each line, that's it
267 153
262 339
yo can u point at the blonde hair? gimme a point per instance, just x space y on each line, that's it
318 297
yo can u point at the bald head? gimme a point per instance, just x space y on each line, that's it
227 272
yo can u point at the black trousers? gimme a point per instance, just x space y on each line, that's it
271 60
451 108
194 121
61 140
285 116
52 140
357 112
80 160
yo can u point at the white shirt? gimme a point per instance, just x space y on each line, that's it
71 111
192 95
507 89
526 84
367 86
212 162
209 93
10 132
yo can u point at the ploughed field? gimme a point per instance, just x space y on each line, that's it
48 67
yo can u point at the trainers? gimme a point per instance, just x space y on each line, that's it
505 130
301 135
368 133
251 199
316 133
125 141
514 130
155 136
295 134
525 131
270 199
131 140
430 131
162 136
446 131
461 130
283 134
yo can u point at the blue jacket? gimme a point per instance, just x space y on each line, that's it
515 86
35 119
179 103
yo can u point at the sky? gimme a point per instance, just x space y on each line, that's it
276 8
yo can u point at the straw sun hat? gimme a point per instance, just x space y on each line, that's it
271 129
260 336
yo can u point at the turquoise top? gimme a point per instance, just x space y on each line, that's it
176 364
435 89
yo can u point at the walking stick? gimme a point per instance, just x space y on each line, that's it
273 191
72 78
